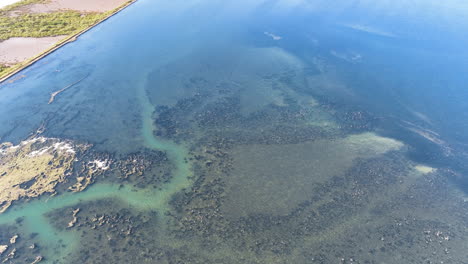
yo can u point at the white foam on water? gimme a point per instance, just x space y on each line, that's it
100 164
61 146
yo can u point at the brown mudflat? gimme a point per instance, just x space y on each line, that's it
15 50
83 5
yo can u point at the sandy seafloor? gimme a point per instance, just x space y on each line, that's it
249 132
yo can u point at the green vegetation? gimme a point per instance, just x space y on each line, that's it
4 69
67 23
44 25
47 24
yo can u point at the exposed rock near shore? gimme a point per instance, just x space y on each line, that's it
34 167
3 248
73 221
37 260
13 239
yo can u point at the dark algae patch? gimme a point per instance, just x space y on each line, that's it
109 231
294 180
351 201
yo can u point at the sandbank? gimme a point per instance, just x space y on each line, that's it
16 50
82 5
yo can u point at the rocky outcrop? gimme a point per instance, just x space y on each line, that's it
34 167
3 248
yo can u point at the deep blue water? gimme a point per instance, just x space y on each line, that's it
412 56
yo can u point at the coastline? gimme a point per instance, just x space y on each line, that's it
62 43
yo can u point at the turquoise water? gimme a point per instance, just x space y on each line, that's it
33 213
298 132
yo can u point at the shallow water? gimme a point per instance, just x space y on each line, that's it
141 199
295 132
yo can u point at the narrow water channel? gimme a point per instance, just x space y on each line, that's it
62 243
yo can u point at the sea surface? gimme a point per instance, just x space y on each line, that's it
274 131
